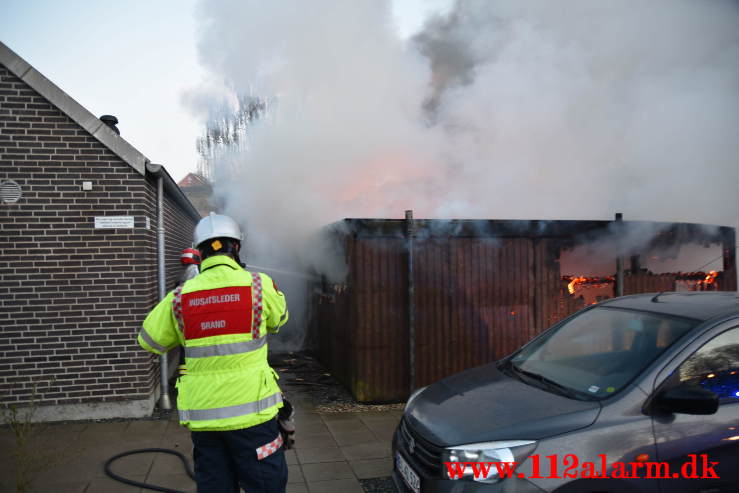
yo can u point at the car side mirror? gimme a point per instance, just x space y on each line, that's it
687 399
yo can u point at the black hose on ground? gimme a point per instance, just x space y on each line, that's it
148 486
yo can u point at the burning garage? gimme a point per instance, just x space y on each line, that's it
423 299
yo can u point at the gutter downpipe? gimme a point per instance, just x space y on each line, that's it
619 259
156 170
410 232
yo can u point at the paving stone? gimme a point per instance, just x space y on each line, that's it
7 439
66 486
371 450
335 486
320 454
62 434
175 428
7 469
303 409
354 437
314 440
372 468
294 474
140 442
66 427
381 415
104 429
378 423
327 471
147 428
298 488
7 484
383 429
55 466
183 445
310 427
308 419
346 426
132 465
181 481
169 464
92 442
92 459
108 485
178 438
290 457
41 454
384 435
329 417
300 403
74 469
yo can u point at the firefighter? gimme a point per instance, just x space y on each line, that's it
190 259
228 398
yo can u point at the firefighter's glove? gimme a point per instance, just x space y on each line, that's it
286 419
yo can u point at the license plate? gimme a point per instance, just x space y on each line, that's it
409 476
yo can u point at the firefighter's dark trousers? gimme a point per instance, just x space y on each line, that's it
225 460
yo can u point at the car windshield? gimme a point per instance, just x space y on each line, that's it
596 354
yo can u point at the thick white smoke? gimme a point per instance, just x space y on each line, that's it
499 109
344 137
579 109
533 109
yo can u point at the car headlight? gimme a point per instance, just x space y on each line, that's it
504 451
413 396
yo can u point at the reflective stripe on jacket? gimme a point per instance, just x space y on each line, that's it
221 318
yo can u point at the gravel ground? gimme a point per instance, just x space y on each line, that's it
303 371
378 485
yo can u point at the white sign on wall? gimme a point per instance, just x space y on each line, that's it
113 222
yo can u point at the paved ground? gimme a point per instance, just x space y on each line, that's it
334 451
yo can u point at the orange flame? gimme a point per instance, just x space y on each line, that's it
597 282
708 280
575 282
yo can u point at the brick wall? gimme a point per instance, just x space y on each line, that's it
72 298
178 236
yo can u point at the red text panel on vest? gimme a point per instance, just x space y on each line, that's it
215 312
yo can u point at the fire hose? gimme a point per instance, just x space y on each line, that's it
285 418
141 484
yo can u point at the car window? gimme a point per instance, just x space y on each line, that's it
602 350
715 366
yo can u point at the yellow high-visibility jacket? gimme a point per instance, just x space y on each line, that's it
221 319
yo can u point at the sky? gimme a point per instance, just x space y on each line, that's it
135 60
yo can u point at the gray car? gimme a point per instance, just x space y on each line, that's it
635 394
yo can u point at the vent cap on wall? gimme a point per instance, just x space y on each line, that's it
10 192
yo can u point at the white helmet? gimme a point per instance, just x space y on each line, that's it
216 226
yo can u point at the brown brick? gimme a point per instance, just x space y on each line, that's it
72 295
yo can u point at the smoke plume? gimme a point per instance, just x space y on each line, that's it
497 109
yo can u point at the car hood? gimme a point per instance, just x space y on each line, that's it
482 404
